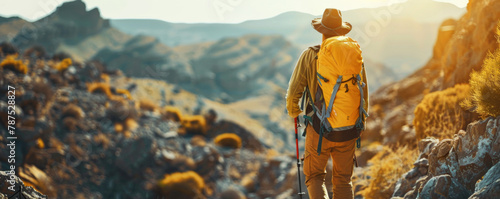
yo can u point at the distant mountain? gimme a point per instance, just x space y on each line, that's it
71 29
9 27
400 36
230 69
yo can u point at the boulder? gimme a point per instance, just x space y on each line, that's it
444 186
489 187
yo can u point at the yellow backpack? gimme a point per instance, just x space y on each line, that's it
339 66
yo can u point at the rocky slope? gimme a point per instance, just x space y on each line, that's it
466 166
81 140
460 48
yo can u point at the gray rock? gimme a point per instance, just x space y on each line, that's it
490 178
424 162
493 129
443 186
425 146
490 191
134 154
444 147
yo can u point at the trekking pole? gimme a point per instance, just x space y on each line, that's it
298 159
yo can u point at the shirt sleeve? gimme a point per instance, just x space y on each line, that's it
298 82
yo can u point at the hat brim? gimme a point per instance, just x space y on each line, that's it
345 28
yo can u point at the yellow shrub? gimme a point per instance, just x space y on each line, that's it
485 87
386 168
99 87
124 92
11 63
181 185
105 77
64 64
439 113
118 127
131 124
230 140
40 144
172 113
194 124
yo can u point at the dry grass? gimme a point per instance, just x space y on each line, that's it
195 124
229 140
386 168
11 63
485 87
181 185
440 115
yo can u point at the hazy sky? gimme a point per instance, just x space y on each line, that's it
193 11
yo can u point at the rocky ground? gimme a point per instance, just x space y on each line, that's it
466 166
76 143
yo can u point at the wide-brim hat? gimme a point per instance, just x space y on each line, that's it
331 23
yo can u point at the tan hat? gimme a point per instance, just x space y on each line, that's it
331 23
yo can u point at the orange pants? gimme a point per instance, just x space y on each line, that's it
342 154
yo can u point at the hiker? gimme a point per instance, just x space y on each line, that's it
331 80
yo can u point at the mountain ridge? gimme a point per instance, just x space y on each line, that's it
401 30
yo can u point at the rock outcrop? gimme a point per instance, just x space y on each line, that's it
460 48
462 167
71 20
